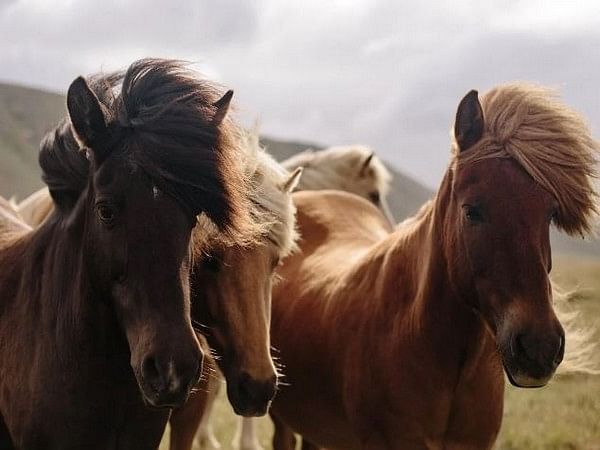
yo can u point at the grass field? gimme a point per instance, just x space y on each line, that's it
565 415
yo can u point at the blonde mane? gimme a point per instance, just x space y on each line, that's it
550 141
271 208
340 168
581 349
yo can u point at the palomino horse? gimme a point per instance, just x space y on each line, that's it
397 341
353 168
231 296
94 304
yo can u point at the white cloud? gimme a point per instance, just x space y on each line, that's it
381 72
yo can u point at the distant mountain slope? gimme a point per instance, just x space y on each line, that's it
27 114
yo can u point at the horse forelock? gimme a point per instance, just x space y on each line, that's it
272 211
160 113
551 142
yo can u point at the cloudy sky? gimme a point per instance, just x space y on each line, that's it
386 73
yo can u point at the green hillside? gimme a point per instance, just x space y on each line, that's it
25 116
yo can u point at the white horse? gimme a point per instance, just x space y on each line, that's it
352 168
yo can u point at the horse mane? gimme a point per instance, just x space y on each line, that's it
271 209
164 113
581 347
340 168
551 142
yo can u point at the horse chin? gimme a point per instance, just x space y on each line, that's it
521 380
154 400
250 411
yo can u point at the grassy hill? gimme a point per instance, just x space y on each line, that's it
27 114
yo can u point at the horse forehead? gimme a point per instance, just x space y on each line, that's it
114 171
498 178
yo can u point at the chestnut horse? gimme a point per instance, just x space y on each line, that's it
352 168
95 331
399 340
231 296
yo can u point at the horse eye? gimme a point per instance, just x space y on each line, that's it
554 216
374 197
211 264
473 214
106 213
275 262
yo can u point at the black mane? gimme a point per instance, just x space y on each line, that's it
161 114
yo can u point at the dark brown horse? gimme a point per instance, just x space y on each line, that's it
398 341
95 335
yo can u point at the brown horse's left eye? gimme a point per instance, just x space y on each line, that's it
106 213
473 214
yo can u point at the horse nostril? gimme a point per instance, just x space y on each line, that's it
521 346
245 385
560 352
152 374
544 351
253 390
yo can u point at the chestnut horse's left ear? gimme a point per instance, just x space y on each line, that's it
468 126
290 184
365 164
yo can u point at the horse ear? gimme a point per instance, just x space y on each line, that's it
468 126
290 184
86 114
222 106
365 165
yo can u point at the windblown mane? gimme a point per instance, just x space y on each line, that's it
340 168
163 113
550 141
271 209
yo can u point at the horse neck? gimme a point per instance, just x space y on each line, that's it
413 290
55 285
